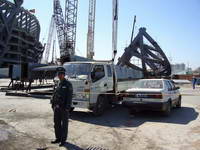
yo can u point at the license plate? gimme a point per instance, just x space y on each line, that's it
138 100
134 99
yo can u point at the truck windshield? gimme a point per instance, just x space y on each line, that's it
149 84
74 70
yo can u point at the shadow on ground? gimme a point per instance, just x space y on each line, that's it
70 146
120 117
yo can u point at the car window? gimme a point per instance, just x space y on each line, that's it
150 84
109 71
98 73
172 84
169 87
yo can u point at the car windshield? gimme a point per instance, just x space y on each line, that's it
149 84
74 70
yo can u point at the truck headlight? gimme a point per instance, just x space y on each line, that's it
80 96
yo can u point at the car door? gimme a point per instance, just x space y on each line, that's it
175 91
168 90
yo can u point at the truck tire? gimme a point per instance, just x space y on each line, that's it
178 105
167 111
100 106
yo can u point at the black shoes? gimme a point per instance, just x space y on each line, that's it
62 144
58 141
55 141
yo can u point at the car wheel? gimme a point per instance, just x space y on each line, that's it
167 111
178 105
100 106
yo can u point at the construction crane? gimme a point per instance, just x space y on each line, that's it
91 29
66 28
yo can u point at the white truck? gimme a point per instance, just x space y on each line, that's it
97 84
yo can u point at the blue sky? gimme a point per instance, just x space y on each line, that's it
174 24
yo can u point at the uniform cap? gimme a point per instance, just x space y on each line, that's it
60 70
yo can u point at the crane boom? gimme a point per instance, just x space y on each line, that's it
115 28
91 29
66 28
71 8
60 26
49 40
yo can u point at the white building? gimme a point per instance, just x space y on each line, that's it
178 68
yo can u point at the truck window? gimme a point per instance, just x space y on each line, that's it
77 69
97 73
109 71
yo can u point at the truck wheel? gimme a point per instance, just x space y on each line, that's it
167 111
178 105
100 106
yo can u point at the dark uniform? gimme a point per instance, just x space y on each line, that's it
61 104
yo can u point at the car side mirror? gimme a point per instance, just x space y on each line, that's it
177 88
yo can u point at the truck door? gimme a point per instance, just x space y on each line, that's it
99 82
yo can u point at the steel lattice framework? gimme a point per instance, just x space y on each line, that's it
71 8
154 61
19 34
60 25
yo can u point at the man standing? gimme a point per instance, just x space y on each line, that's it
61 104
194 80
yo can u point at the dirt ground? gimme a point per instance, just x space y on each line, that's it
27 124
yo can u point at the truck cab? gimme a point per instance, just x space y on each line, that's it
91 81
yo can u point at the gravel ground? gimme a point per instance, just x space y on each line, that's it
26 124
